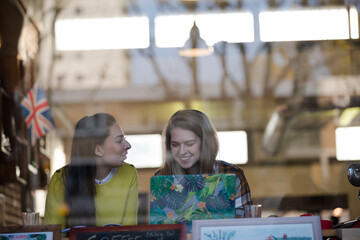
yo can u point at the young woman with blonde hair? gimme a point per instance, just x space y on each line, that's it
191 147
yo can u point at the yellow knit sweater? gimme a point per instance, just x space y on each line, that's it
116 201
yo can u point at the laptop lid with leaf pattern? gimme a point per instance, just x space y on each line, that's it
183 198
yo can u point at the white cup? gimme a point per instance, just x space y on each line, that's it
253 211
30 218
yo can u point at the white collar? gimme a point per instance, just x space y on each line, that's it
107 178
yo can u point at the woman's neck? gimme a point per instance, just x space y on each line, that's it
102 172
195 169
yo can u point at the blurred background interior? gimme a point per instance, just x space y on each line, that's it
279 79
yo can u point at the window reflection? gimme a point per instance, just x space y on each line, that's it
140 78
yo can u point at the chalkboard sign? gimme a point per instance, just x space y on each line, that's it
143 232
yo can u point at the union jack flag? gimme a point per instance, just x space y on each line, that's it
37 113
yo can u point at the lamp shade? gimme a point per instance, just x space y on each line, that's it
195 46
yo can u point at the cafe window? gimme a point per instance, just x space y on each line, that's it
347 143
233 147
173 30
146 151
99 34
326 23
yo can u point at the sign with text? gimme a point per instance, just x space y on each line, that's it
136 232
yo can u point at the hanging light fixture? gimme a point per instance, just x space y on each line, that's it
195 46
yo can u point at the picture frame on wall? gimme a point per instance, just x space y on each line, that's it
34 232
306 227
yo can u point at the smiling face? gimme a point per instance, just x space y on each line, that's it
112 153
185 147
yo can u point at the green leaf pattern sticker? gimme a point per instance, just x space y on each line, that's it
178 199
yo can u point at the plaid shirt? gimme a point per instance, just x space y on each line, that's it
243 195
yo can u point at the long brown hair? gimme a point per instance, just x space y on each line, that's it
198 123
80 173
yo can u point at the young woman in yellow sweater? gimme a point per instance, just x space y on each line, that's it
97 187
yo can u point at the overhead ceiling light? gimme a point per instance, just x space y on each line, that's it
195 46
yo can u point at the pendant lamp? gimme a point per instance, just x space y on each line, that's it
195 46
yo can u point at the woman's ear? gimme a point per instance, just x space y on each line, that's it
98 150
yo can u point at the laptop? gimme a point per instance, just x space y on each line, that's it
182 198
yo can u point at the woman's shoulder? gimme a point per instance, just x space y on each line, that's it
126 174
127 168
58 178
59 172
225 167
157 172
224 163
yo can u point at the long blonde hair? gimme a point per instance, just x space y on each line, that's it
198 123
